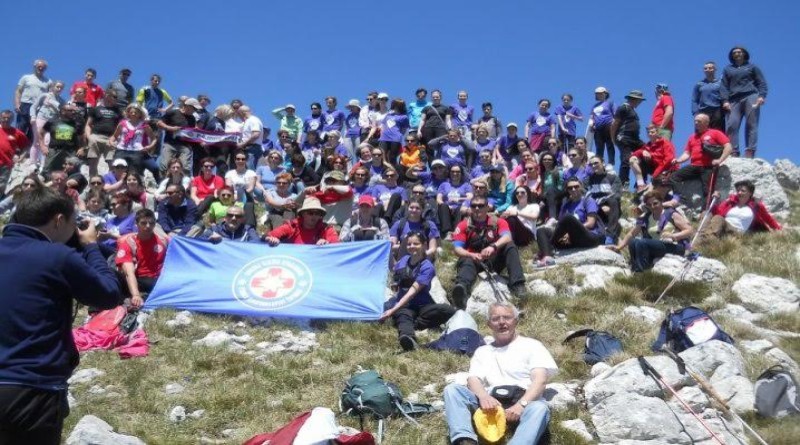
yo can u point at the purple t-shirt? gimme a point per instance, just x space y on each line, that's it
314 123
393 127
487 145
431 183
581 210
332 120
480 170
453 154
541 122
462 115
423 274
569 123
341 150
383 193
578 172
603 113
358 191
453 195
505 144
351 123
401 232
109 178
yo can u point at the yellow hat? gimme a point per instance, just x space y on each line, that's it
490 425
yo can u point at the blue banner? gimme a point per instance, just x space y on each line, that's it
343 281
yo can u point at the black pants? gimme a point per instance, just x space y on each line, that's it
521 235
429 134
626 147
448 218
691 173
395 202
507 258
392 150
579 236
24 120
604 144
408 320
31 415
611 217
552 199
716 117
644 252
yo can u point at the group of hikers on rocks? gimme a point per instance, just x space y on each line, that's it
420 174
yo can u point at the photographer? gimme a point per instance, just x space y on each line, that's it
40 277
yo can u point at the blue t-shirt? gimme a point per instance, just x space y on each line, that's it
603 113
415 112
431 183
506 143
453 195
313 123
462 115
480 170
402 232
423 273
267 175
579 172
351 124
488 145
540 122
453 154
393 127
333 120
569 123
581 210
383 193
122 226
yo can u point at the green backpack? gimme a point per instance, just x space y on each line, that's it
366 393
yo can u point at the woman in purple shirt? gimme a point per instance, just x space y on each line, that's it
393 128
482 141
332 119
315 121
600 123
567 115
450 198
389 196
540 125
580 169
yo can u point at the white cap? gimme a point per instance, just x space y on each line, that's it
354 103
512 124
601 90
383 96
119 162
290 106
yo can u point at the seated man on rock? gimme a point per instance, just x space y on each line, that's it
177 214
484 241
512 364
606 190
653 158
232 228
307 228
140 257
740 213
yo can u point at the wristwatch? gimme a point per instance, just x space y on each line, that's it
523 403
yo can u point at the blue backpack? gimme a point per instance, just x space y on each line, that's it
460 335
688 327
600 345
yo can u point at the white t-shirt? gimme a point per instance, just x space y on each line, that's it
239 180
740 218
511 364
530 224
252 124
234 125
32 87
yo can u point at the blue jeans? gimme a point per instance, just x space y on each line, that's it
459 402
254 154
742 108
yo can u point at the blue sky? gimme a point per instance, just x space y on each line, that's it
511 53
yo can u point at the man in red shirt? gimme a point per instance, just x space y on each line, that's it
703 140
307 228
94 92
12 142
141 256
664 112
653 158
483 241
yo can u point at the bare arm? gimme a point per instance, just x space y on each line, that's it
133 286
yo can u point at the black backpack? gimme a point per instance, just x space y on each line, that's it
600 345
776 393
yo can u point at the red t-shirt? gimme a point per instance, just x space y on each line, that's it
205 188
662 152
660 109
694 146
94 92
150 255
11 140
293 232
461 237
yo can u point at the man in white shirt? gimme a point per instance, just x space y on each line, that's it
251 137
510 360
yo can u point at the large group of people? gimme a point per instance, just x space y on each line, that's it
419 174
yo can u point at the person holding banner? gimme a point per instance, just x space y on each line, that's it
172 122
307 228
233 228
140 257
413 306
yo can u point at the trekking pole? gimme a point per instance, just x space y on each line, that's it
703 222
689 260
683 368
712 184
647 368
500 295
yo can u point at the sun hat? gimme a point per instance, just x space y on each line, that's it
601 90
192 102
490 425
635 94
337 175
311 204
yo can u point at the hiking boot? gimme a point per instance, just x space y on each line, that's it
408 343
749 153
519 291
460 296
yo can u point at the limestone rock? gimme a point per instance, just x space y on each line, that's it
768 188
71 400
85 376
736 312
540 287
599 368
788 174
756 346
173 388
437 292
92 430
288 341
221 338
183 318
578 427
560 395
197 414
599 256
177 414
702 269
646 314
784 359
483 295
595 276
768 294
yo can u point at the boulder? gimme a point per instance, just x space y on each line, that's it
288 341
737 312
173 388
599 368
540 287
92 430
560 396
85 376
768 189
788 174
596 276
599 256
768 294
578 427
702 269
783 358
177 414
437 292
646 314
628 407
756 346
483 295
183 318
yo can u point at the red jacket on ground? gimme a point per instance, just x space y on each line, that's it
762 220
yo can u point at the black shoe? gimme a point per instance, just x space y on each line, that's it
519 291
460 296
408 343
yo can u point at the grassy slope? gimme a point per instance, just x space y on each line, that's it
238 392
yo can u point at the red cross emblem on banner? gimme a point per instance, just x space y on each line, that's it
272 282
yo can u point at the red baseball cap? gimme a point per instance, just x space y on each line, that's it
366 200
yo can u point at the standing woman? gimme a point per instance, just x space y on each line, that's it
134 139
522 216
413 307
600 123
315 121
376 119
434 122
352 129
540 125
393 127
567 114
43 111
670 234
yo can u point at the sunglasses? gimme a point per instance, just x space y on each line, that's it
477 206
146 223
480 187
594 163
418 192
410 140
530 169
573 155
359 175
170 193
552 143
234 215
28 184
282 183
315 212
521 192
377 154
